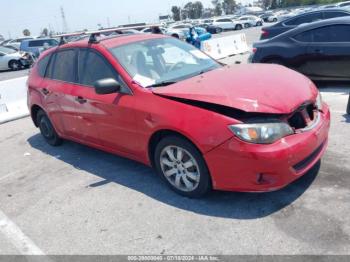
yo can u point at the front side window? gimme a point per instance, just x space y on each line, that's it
63 66
93 67
326 34
328 15
157 61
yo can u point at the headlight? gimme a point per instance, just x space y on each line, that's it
262 133
319 101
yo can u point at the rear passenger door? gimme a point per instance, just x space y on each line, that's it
56 88
329 52
110 115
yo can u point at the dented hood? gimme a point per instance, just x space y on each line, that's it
259 88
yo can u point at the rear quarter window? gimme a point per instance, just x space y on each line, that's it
42 65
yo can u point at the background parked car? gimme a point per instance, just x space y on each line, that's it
11 59
17 42
319 50
179 30
271 31
251 20
227 24
36 46
213 29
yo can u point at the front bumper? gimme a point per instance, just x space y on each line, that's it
240 166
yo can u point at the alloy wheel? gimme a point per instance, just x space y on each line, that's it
180 168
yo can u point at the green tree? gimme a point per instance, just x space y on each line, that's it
26 32
176 13
45 32
229 6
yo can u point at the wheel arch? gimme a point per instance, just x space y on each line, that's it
273 57
158 135
34 112
11 61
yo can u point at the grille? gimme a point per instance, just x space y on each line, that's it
302 117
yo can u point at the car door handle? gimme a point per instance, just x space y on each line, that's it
45 91
80 100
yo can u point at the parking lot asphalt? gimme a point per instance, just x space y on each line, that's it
76 200
8 74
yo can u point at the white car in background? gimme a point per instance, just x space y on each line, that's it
178 30
251 20
17 42
11 59
272 18
227 24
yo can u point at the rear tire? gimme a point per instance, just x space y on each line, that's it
238 27
246 25
47 130
180 164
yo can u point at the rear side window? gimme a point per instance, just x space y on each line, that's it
39 43
332 34
42 65
328 15
63 66
308 18
93 67
305 37
326 34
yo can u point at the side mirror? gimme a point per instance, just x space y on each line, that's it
106 86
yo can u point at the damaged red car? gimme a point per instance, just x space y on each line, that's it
202 125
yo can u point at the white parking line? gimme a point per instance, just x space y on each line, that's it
14 234
9 80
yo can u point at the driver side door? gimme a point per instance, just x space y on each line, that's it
109 117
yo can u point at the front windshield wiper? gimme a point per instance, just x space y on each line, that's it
164 83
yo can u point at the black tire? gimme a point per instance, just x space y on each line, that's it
258 24
274 20
246 25
47 130
14 65
238 27
203 186
218 30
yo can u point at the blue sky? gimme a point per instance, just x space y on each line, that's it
37 14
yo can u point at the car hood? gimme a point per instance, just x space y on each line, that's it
258 88
15 55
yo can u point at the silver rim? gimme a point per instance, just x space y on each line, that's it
15 65
180 168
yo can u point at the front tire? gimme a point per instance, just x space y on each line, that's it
47 130
182 167
14 65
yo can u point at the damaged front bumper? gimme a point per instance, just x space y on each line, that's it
241 166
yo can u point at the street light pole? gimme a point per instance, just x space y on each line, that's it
348 107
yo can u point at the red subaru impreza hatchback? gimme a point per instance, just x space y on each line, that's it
200 124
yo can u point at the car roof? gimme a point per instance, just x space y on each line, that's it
311 13
313 25
115 40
